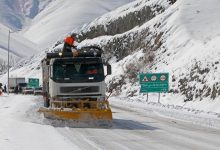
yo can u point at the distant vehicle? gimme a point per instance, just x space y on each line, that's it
21 87
13 82
28 90
12 90
38 91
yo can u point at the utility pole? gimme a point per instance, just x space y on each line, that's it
9 33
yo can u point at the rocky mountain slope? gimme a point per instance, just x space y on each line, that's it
179 39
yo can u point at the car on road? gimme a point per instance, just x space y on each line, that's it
38 91
21 87
28 90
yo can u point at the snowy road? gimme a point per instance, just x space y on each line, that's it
21 129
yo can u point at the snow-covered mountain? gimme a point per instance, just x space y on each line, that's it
16 13
180 38
19 47
45 21
60 17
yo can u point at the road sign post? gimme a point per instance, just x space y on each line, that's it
154 82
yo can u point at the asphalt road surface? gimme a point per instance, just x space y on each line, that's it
135 131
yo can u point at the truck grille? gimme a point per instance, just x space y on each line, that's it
80 89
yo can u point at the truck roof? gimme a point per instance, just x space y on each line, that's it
89 51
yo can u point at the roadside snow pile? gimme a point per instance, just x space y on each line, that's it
177 112
23 132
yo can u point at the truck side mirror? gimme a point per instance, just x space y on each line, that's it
109 69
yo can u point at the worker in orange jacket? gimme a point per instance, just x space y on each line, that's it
68 44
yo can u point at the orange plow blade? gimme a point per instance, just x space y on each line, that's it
99 117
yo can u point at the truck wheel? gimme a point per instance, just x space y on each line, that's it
46 103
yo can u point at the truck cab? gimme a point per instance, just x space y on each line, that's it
74 87
66 77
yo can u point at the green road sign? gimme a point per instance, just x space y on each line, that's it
33 82
154 82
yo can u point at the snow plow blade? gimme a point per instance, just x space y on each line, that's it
79 117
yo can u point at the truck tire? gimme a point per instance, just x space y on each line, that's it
46 103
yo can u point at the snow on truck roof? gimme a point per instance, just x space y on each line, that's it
90 51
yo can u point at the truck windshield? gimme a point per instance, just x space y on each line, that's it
78 72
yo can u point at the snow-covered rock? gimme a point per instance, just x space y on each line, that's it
182 40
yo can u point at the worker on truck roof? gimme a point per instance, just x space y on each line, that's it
69 43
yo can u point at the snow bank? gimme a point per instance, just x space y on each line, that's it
18 132
199 115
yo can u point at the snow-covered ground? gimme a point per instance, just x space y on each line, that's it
192 35
185 40
19 133
199 115
135 126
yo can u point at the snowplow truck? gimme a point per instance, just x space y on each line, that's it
72 91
